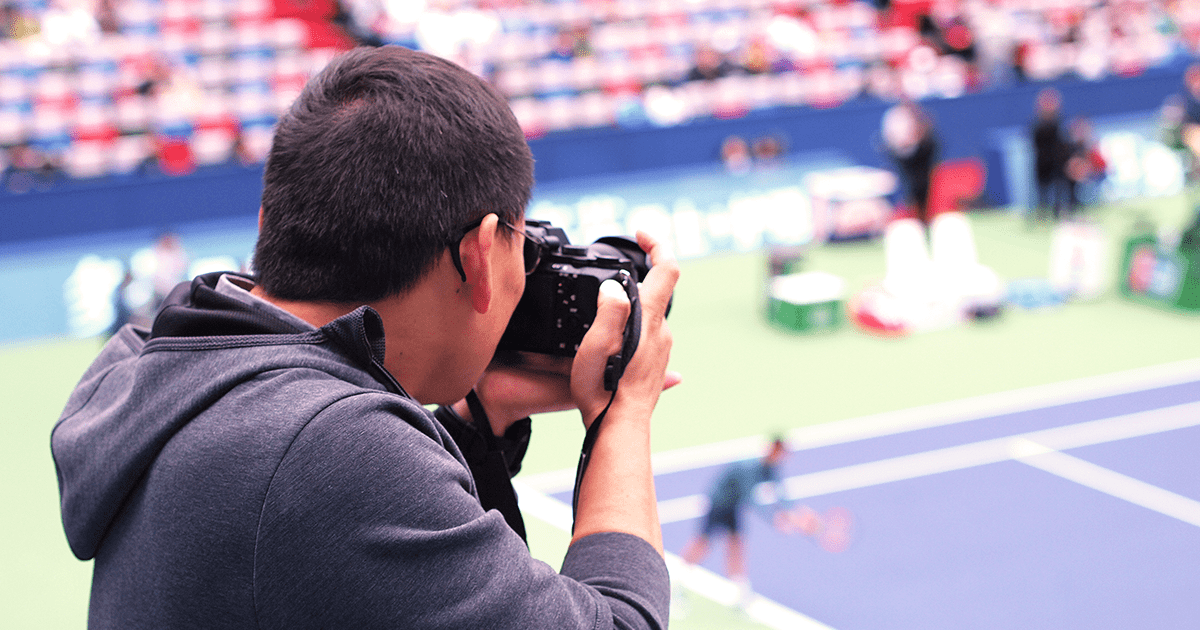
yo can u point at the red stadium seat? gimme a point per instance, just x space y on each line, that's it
94 124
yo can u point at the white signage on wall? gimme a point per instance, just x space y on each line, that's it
721 217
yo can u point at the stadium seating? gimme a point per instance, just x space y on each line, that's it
256 54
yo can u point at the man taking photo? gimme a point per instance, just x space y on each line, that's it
262 457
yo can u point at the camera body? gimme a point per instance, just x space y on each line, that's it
559 303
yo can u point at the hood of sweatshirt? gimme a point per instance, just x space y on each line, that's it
147 385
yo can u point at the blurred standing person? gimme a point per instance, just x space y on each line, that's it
1085 167
912 143
122 313
735 154
948 31
29 168
571 42
1170 124
1050 154
171 263
995 32
1189 128
760 57
563 47
710 64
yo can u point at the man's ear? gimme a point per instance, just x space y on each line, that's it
260 218
476 253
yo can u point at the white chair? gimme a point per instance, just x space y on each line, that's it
913 294
516 81
907 262
212 146
956 262
595 109
129 152
14 127
560 112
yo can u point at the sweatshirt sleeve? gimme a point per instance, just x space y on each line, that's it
371 522
628 572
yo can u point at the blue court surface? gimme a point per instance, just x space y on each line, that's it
1067 506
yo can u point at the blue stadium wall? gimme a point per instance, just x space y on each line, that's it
979 125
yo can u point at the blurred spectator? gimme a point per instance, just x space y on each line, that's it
170 265
880 81
948 32
563 48
995 37
1170 123
571 42
710 64
1085 167
760 57
241 153
1189 128
16 22
582 36
1050 156
357 19
912 143
106 17
122 313
30 168
870 47
1020 59
735 153
767 150
155 73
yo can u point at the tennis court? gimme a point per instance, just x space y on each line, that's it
1068 506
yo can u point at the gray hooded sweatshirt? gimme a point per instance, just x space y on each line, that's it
233 467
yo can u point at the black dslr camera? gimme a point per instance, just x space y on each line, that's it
559 303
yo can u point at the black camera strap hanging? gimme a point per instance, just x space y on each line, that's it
614 369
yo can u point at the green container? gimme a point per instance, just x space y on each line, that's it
807 302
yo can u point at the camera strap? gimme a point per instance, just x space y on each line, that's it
615 367
585 455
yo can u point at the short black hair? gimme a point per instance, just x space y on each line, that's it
385 155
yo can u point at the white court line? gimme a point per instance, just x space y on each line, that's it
682 508
543 506
724 592
1109 482
928 416
704 582
963 456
